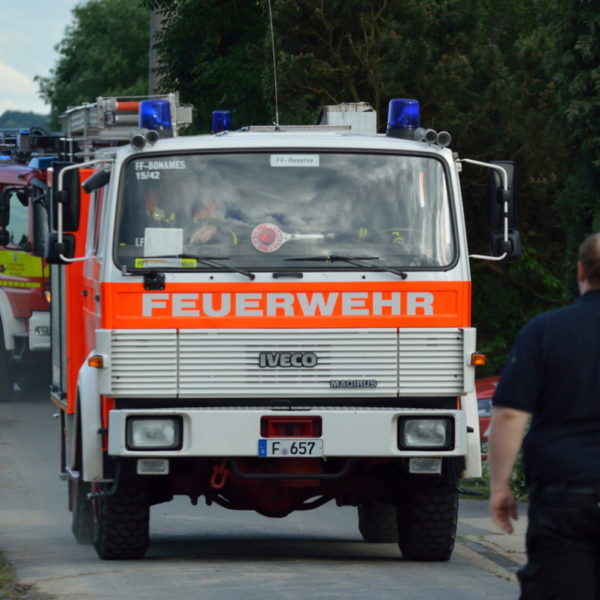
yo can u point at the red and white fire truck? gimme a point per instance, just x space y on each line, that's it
25 155
271 318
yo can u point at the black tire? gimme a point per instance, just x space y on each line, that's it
377 522
427 520
6 372
82 522
121 523
34 376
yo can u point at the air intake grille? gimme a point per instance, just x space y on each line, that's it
295 363
226 362
431 362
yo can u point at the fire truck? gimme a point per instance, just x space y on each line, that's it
25 155
271 318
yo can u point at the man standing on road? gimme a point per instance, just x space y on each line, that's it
553 373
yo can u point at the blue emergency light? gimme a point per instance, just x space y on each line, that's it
155 114
41 162
221 120
403 118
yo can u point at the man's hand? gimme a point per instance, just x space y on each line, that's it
503 508
506 434
203 234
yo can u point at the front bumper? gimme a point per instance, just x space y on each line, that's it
235 432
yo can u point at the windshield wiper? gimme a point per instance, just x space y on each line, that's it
358 261
211 261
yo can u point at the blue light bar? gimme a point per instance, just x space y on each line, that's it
156 115
403 117
41 162
221 120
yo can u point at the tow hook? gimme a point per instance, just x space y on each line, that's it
219 476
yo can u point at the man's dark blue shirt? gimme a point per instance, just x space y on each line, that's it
553 372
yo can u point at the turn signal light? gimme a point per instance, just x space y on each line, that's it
96 361
478 359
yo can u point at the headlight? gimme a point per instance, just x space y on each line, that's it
426 433
154 433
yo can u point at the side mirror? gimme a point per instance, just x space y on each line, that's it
96 181
40 220
54 249
22 195
5 209
69 197
511 247
498 196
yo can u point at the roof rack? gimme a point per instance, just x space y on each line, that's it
263 128
113 118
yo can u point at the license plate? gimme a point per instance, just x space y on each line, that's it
290 448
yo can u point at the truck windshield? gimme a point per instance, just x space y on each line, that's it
284 211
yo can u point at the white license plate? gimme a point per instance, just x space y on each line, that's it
290 448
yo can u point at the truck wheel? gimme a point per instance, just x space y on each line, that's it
377 522
122 523
33 377
82 523
6 377
427 520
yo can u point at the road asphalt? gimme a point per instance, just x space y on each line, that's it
481 542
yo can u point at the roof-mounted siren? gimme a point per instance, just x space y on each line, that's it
404 121
155 115
159 118
404 118
221 121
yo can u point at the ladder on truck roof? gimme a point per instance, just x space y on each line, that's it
111 120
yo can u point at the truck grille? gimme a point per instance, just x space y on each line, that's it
225 363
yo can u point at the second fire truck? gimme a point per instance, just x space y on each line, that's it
25 155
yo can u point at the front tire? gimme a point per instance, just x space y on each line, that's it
377 522
122 520
427 520
6 375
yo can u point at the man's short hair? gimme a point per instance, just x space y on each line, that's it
589 256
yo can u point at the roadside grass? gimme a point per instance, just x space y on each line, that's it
480 487
9 588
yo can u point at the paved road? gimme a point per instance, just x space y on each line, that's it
210 553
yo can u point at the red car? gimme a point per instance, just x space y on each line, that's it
485 389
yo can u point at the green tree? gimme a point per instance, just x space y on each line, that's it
104 52
214 54
477 67
573 64
16 118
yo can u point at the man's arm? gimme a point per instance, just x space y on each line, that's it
506 435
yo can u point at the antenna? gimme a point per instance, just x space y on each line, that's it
274 66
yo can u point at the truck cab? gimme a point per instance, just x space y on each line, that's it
272 319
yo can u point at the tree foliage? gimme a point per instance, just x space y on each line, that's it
510 79
214 54
15 118
103 53
573 65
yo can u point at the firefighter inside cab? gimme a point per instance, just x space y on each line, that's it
164 201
